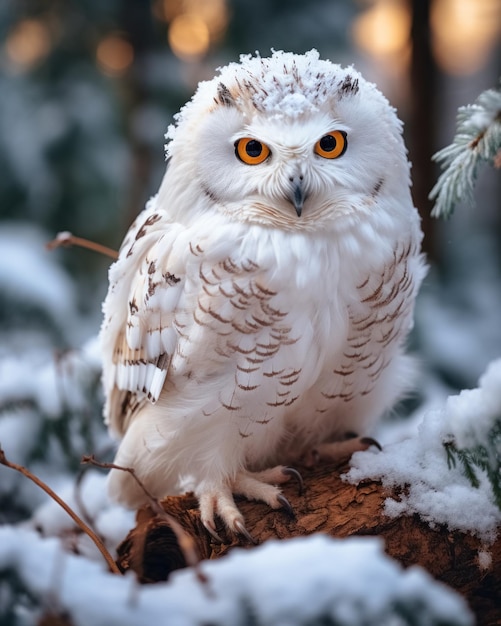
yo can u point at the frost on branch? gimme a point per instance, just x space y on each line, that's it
477 140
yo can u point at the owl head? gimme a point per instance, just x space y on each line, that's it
290 141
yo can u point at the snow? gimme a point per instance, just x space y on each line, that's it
281 583
273 80
418 463
471 414
50 407
484 560
28 271
277 96
55 386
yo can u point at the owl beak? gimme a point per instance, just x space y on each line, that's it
298 197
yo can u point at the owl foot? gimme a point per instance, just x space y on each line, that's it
220 502
339 451
293 473
260 486
278 475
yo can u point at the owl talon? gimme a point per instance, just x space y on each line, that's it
293 473
241 530
286 505
211 529
369 441
339 452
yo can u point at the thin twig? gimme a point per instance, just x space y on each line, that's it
65 239
78 521
186 543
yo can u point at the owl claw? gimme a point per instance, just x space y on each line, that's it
290 471
286 505
241 530
211 529
340 451
369 441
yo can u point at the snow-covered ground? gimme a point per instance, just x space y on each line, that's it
315 580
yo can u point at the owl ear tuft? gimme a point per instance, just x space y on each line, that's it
224 95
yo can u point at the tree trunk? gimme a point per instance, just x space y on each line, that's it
333 507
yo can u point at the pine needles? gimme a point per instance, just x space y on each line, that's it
483 457
477 141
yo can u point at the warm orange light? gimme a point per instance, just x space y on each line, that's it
193 25
189 36
384 28
213 12
114 55
464 32
28 44
172 8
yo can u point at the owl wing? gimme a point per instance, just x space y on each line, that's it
138 338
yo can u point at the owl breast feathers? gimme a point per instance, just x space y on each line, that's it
260 304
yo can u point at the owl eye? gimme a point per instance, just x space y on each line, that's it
251 151
332 145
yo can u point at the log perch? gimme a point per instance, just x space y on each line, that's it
331 506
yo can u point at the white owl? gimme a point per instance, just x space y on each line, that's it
261 302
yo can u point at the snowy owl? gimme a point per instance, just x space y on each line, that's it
260 303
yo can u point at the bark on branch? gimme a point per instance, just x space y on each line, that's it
331 506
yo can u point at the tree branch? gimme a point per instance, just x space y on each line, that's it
66 239
78 521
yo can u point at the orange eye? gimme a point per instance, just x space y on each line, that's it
251 151
332 145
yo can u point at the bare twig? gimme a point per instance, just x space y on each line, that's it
78 521
65 239
186 543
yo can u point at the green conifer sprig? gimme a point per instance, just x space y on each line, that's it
477 140
484 457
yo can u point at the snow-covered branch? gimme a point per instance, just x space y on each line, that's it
477 140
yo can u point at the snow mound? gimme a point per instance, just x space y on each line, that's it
438 493
471 414
314 580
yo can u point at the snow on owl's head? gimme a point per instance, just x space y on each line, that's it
291 141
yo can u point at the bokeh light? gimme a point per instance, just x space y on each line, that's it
193 25
28 44
189 36
114 54
383 31
464 32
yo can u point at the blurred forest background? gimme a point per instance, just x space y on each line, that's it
88 88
